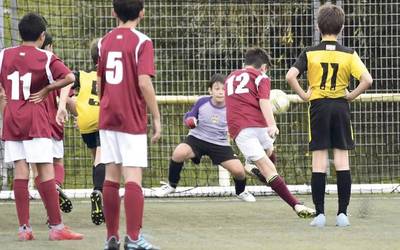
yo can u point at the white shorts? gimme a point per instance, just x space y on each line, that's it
253 142
123 148
37 150
58 149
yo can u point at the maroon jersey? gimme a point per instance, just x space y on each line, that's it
124 55
57 131
25 70
243 90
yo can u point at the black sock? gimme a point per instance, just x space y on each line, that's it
343 180
98 175
318 182
240 185
174 175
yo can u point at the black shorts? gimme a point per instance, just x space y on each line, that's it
92 140
216 153
330 124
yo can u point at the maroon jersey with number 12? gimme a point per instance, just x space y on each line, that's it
25 70
243 90
125 54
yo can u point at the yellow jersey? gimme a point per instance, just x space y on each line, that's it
329 66
87 102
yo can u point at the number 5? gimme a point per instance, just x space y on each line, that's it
114 71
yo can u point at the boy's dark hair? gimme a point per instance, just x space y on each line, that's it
48 40
94 50
330 19
31 27
216 78
128 10
257 57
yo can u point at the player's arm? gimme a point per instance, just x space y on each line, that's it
3 99
71 105
60 83
266 109
291 78
359 71
190 118
147 89
62 114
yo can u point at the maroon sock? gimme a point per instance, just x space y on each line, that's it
134 202
279 186
272 157
51 202
21 194
37 184
59 173
111 202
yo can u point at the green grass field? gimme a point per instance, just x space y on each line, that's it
227 223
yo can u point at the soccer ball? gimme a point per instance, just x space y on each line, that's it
279 100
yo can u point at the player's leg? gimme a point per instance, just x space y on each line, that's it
111 156
59 176
181 153
235 167
133 150
318 183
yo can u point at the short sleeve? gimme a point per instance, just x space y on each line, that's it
264 87
146 59
357 66
301 62
58 68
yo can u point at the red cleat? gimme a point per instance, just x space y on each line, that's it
64 234
25 235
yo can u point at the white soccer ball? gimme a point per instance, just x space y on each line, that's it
279 100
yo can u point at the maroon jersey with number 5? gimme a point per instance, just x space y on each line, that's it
125 54
243 90
25 70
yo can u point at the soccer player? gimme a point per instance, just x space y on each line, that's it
125 68
28 74
251 122
86 108
330 66
56 102
208 136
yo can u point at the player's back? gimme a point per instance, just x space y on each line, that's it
24 70
330 66
124 55
243 90
87 102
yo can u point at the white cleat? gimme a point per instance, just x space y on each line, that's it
246 196
318 221
164 190
303 211
342 220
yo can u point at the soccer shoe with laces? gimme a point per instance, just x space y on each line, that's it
246 196
139 244
112 244
65 202
318 221
254 171
164 190
342 220
303 211
25 233
64 233
96 198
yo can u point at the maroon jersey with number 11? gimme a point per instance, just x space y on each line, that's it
25 70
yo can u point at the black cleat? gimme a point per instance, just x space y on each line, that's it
65 202
96 198
254 171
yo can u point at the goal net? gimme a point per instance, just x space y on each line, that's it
195 39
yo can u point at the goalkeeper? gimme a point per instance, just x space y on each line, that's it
208 136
